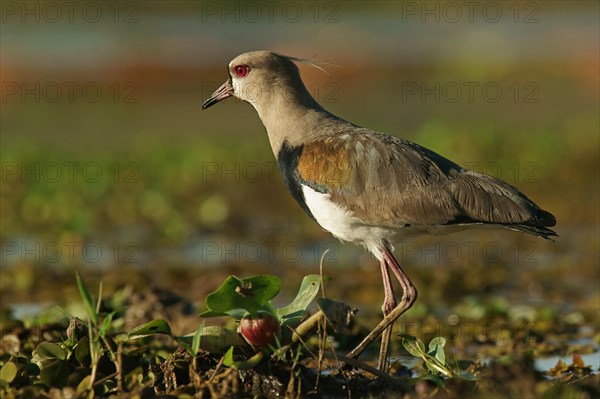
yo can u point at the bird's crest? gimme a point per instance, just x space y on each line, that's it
310 61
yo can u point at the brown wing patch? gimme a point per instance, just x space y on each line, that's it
325 164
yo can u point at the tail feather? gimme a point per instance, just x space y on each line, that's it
543 218
539 231
490 200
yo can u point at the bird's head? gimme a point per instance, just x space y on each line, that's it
261 78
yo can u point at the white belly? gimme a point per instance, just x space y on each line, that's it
340 222
343 224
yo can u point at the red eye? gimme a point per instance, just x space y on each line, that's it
242 70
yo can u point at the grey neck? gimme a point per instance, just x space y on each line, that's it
293 116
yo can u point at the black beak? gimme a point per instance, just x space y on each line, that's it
226 90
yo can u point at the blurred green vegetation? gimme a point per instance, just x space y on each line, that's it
133 173
173 177
164 181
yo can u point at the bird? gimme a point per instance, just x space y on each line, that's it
367 187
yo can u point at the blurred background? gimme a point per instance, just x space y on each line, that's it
110 167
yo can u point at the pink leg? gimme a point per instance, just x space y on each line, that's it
409 295
389 303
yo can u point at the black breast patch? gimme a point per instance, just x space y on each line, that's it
287 159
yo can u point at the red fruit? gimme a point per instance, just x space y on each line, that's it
260 330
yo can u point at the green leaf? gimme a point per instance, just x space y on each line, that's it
8 372
106 324
251 293
158 326
433 366
82 352
56 373
88 302
49 350
193 347
307 292
435 359
83 386
235 313
212 313
440 355
97 310
437 341
196 341
436 349
244 364
413 345
228 357
213 339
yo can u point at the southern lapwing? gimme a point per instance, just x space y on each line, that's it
366 187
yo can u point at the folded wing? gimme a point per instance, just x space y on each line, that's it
387 181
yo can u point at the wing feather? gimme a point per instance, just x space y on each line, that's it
387 181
